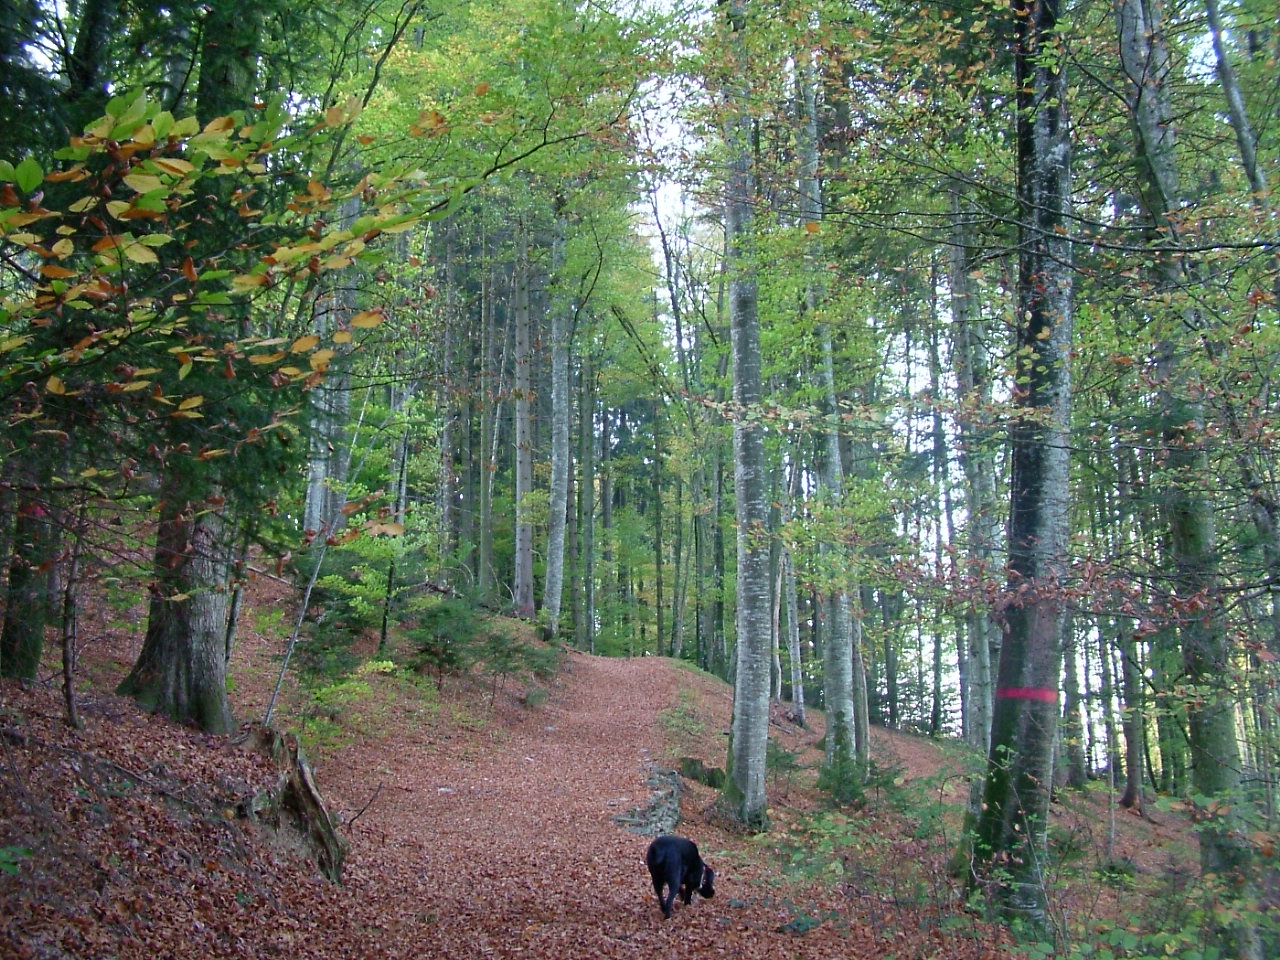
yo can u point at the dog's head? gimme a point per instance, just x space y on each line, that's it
706 888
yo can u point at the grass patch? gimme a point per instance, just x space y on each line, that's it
684 721
360 704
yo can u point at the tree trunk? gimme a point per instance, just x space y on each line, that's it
522 587
585 628
1246 142
27 595
659 580
1195 605
745 790
494 366
561 416
1132 722
330 410
1077 775
181 670
977 461
1011 837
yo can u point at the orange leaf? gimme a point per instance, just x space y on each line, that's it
368 319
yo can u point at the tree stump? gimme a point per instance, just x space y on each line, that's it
294 803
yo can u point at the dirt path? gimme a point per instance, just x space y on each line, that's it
513 849
475 834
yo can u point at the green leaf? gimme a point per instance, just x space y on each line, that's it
162 124
29 175
6 171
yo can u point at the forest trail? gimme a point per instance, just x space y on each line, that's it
513 847
499 838
479 826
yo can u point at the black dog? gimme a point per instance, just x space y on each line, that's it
674 862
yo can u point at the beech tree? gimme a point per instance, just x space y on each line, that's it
1194 605
745 790
1012 830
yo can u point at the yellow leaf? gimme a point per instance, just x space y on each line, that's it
249 281
385 530
56 386
64 248
179 168
261 358
55 272
13 343
144 182
303 344
220 125
401 227
83 204
367 319
812 227
133 386
118 208
140 253
190 403
320 360
342 336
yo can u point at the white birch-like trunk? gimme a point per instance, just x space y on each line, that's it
848 748
746 787
522 587
977 462
330 409
561 414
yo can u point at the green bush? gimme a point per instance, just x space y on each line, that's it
445 637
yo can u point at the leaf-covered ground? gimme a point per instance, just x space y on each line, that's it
483 822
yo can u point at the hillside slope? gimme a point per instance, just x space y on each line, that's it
482 822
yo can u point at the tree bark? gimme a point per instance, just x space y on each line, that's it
181 670
523 579
561 416
585 630
1195 606
27 594
1011 836
745 789
977 461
